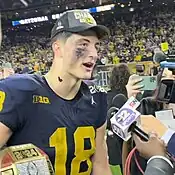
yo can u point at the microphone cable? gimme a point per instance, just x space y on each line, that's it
128 162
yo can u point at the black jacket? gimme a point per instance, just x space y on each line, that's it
158 166
149 106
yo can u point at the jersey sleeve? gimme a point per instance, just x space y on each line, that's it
9 104
102 109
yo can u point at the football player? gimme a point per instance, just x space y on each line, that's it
57 112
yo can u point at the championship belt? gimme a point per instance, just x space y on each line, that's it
24 160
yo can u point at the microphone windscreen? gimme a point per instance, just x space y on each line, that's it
119 100
112 111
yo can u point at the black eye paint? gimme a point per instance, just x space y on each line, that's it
81 52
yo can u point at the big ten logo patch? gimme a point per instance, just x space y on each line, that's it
84 17
40 99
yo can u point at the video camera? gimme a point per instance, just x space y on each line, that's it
166 90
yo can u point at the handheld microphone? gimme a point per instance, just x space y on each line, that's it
112 111
117 103
119 100
124 121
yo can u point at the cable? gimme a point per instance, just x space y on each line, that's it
137 163
128 163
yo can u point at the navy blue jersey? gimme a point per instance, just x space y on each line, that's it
65 130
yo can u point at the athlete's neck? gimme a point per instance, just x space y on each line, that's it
67 88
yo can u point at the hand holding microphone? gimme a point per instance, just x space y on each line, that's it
153 147
126 119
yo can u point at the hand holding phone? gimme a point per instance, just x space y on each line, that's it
133 87
148 83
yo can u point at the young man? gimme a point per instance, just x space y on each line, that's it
57 112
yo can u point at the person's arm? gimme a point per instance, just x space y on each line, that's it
159 165
5 134
155 151
100 158
9 118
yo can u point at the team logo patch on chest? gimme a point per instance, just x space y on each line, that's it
37 99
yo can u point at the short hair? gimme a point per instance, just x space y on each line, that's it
119 76
63 36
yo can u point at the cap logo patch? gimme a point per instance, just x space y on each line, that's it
59 26
84 17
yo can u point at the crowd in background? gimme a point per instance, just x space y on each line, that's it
130 40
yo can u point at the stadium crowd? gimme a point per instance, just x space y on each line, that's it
132 40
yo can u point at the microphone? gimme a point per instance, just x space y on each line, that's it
125 120
117 103
159 56
112 111
119 100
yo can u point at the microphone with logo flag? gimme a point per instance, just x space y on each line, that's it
117 103
126 119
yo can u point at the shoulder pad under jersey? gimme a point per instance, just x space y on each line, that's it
22 82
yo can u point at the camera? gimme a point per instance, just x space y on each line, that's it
167 86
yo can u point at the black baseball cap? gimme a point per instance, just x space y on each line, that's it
77 21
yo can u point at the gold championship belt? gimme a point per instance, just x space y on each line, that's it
24 160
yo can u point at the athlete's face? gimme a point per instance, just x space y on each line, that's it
80 54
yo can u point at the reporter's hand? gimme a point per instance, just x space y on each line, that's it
132 87
154 147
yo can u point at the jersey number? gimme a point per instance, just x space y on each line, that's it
2 99
59 141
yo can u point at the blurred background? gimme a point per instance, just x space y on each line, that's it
137 28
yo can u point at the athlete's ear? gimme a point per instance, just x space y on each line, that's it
56 47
